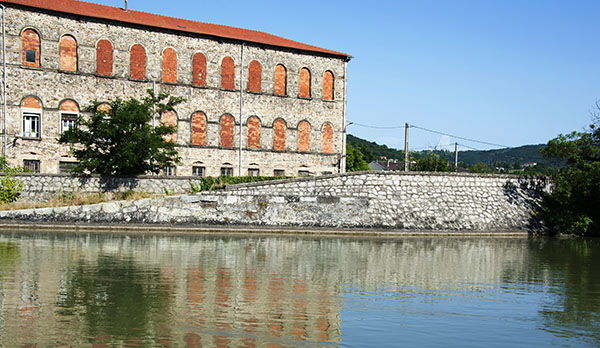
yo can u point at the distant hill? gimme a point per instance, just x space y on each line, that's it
504 157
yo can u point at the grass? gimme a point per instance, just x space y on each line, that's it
68 199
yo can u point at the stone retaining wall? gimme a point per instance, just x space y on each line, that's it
401 201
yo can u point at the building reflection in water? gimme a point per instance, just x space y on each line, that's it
105 290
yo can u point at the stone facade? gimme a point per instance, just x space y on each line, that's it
390 200
79 58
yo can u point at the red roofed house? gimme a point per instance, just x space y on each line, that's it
61 54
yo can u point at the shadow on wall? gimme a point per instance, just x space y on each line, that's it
112 183
529 192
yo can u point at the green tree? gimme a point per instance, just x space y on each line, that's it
572 207
10 185
432 162
355 160
121 140
481 168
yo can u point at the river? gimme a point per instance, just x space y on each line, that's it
113 290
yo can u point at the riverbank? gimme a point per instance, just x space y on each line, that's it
359 203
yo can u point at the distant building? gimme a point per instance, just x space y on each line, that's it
61 54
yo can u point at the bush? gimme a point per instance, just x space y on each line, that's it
209 183
10 186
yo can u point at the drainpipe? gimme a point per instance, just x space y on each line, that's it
241 103
344 126
154 106
3 83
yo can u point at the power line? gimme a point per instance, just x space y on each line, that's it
457 137
376 127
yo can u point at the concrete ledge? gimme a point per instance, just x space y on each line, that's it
245 230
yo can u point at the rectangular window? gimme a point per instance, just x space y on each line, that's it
30 56
198 171
32 165
31 125
279 172
253 172
226 171
169 171
326 173
66 167
303 173
67 121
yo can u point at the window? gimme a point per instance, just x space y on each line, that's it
279 172
137 62
327 138
303 136
68 53
198 171
253 133
199 70
303 173
304 83
31 125
32 165
67 121
227 73
66 167
279 129
199 129
104 58
30 41
253 172
226 171
227 131
169 118
254 77
169 68
328 85
169 171
280 80
327 173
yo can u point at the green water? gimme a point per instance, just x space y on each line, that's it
109 290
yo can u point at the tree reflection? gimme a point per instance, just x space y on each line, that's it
118 299
571 266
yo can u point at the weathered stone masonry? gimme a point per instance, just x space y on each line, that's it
58 53
400 201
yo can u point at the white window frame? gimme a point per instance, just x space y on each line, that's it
227 169
26 129
201 171
253 172
71 118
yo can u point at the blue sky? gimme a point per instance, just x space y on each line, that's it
504 72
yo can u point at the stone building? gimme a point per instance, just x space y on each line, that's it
61 54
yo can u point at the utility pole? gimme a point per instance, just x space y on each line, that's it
406 147
456 157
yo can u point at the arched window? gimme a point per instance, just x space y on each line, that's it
303 136
279 130
255 76
32 116
137 62
169 67
227 73
304 83
227 124
68 114
104 58
68 53
104 107
169 118
31 48
253 133
328 85
327 138
280 80
199 129
199 70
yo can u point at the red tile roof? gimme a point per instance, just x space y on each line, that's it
88 9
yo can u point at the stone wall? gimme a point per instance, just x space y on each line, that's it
52 84
399 201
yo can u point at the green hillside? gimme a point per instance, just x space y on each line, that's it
505 157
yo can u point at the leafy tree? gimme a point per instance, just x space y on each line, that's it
573 205
121 139
481 168
355 160
432 162
10 185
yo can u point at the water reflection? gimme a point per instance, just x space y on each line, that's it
106 290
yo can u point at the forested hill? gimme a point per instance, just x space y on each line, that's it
509 156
